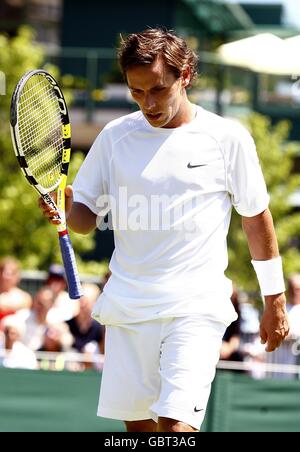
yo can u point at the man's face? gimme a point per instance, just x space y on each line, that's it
158 93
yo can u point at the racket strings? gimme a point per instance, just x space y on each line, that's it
30 137
41 166
40 131
42 143
31 129
37 125
34 127
32 102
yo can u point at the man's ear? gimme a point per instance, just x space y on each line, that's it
186 76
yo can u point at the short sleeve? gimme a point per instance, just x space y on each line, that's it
91 183
245 179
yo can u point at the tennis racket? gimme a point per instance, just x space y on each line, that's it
41 135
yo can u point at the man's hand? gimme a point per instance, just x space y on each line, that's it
50 213
274 326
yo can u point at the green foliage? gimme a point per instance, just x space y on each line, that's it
277 159
24 233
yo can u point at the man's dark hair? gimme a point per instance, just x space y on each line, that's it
143 48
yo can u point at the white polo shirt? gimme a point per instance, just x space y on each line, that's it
170 192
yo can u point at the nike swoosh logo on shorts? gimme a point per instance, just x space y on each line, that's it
194 166
196 410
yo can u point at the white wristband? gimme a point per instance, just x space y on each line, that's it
270 276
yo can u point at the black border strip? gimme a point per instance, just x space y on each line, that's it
22 161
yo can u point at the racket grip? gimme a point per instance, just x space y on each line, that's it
68 257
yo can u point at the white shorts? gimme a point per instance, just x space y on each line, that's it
160 368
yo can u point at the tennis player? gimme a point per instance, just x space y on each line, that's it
170 174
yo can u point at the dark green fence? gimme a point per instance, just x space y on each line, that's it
37 401
241 404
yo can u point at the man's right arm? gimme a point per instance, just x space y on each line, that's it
79 217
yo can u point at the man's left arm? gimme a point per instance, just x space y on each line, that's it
264 250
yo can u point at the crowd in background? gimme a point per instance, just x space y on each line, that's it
242 341
51 322
47 322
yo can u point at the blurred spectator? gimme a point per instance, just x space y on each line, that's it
231 340
17 355
57 338
287 353
84 329
37 319
293 292
249 320
293 305
252 350
11 297
63 308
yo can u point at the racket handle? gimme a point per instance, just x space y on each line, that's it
68 257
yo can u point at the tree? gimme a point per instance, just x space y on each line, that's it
24 233
277 158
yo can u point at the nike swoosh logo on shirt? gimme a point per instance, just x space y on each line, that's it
194 166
